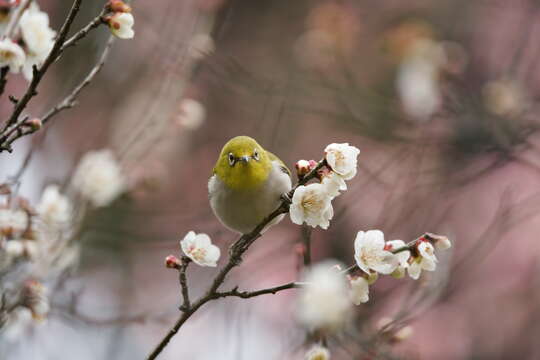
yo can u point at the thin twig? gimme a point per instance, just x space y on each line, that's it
98 20
183 283
250 294
68 102
236 252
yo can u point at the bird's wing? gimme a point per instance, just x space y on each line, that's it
282 165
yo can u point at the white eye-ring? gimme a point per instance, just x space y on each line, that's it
232 160
256 155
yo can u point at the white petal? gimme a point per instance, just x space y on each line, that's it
202 240
212 256
414 270
374 239
297 214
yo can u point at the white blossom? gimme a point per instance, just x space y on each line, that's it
11 55
199 248
370 253
317 352
441 242
54 208
98 178
192 114
418 79
36 32
323 302
14 248
334 183
13 222
312 204
359 290
425 261
402 257
18 321
121 25
342 158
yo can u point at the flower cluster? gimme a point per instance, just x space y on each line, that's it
312 203
32 43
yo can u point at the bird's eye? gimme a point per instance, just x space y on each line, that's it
231 159
256 154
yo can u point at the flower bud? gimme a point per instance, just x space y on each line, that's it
35 124
441 242
118 6
302 167
172 262
403 334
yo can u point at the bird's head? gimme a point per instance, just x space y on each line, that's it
243 164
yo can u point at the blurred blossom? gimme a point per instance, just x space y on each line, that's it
38 37
370 253
17 323
418 79
312 204
504 97
192 114
98 178
400 39
54 208
199 248
11 55
35 298
13 222
200 46
121 25
323 302
315 49
339 21
317 352
359 290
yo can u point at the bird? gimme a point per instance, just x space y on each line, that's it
247 185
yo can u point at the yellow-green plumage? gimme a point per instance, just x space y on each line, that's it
246 184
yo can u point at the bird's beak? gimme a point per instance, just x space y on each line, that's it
244 158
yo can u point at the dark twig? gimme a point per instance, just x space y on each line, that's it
183 283
14 129
3 78
250 294
236 252
68 102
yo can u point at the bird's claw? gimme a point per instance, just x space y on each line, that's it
286 198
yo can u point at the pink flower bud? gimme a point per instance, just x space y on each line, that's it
172 262
35 124
119 6
302 167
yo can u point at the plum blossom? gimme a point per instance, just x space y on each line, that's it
121 25
342 159
317 352
359 290
199 248
425 261
334 183
312 204
402 257
11 55
37 35
98 178
370 253
323 303
54 208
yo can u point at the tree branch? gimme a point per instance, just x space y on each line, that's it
236 252
183 283
250 294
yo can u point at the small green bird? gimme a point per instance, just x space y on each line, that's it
247 184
